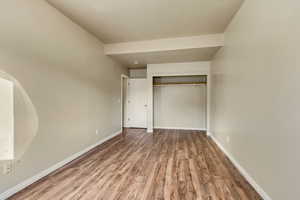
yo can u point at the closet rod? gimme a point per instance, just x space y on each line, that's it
181 83
180 76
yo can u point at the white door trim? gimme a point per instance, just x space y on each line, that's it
123 76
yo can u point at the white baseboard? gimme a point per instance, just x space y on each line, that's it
8 193
181 128
247 176
149 130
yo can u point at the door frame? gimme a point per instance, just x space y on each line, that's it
150 76
123 115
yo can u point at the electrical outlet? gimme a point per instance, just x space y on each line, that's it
7 168
97 132
228 139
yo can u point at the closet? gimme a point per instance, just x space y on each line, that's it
180 102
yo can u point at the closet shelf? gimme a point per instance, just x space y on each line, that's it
180 83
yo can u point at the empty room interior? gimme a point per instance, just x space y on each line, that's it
149 100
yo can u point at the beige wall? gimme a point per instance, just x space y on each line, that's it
74 88
255 101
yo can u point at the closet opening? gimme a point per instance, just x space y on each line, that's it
180 102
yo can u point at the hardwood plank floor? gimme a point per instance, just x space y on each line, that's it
169 164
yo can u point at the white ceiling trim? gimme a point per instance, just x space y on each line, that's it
170 44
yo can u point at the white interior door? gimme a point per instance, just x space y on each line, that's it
137 103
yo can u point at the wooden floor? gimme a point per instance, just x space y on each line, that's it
169 164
